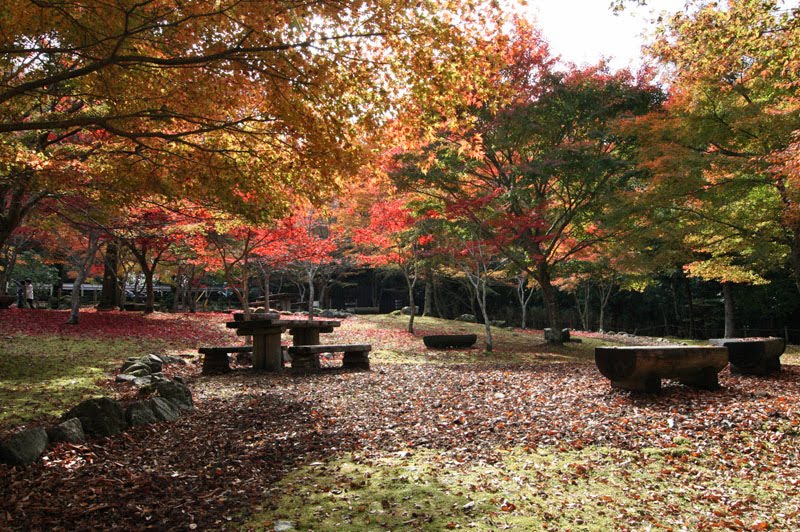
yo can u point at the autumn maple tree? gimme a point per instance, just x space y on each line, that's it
543 161
721 150
235 247
395 237
212 100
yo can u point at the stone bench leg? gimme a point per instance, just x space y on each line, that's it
705 379
356 359
304 363
215 363
651 384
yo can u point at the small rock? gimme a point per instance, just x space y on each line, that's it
124 377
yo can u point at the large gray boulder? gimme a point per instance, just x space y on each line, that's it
69 431
100 417
163 409
140 413
24 447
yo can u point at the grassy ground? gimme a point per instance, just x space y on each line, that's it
43 376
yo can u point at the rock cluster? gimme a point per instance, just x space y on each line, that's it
145 370
163 400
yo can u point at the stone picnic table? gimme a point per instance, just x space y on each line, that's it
267 331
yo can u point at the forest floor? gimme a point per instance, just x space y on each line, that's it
526 437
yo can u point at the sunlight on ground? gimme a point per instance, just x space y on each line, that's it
594 488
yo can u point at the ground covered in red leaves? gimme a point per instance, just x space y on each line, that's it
185 328
210 468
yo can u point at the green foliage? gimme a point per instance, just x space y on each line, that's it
29 265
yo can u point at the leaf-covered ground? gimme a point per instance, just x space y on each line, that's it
466 440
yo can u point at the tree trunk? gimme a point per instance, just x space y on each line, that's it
690 301
480 291
180 288
795 257
412 306
324 295
727 297
109 297
266 276
310 274
150 299
83 268
5 271
550 297
523 298
601 319
427 310
605 294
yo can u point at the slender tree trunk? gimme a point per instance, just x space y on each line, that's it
795 257
428 308
180 288
310 274
412 305
582 304
550 297
109 297
83 268
479 284
266 276
523 297
727 297
606 289
192 300
150 299
690 301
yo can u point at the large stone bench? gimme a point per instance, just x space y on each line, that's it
641 368
306 357
215 359
753 356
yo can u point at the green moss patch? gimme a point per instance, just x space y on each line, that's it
594 488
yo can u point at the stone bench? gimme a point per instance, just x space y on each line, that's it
446 341
215 359
753 356
641 368
306 357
